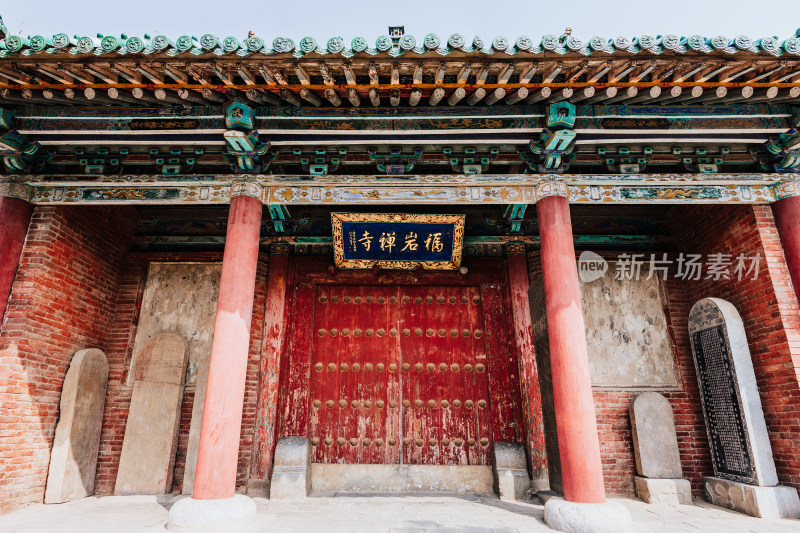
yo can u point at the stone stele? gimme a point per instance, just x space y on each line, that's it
655 447
73 460
655 444
741 454
151 434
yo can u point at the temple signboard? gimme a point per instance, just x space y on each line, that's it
400 241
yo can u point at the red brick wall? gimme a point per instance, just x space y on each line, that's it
61 301
613 418
612 406
120 351
768 307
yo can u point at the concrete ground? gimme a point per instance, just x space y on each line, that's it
374 513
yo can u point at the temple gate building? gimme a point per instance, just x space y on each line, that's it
354 266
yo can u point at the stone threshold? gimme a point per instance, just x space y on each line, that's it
330 479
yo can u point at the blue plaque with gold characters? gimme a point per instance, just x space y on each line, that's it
363 240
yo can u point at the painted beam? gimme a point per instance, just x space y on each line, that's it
406 189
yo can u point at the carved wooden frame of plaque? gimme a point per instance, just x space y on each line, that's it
338 240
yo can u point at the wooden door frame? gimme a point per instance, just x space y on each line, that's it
293 402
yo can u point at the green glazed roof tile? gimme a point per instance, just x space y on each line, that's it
61 43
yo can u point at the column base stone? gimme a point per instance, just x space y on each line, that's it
764 502
663 491
571 517
225 515
510 470
291 471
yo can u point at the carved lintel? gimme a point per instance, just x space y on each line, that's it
515 248
16 189
552 188
787 189
247 188
279 248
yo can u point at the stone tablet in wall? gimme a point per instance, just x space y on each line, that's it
151 433
73 461
626 332
182 298
655 446
655 443
737 432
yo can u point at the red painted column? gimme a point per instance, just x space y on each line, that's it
271 351
528 372
787 219
578 443
15 215
218 450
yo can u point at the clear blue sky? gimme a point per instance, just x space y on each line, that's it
350 18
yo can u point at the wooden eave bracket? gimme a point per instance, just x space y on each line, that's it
175 74
373 74
739 71
266 74
483 73
105 75
301 74
505 73
246 75
441 71
711 71
639 74
327 79
621 72
417 78
600 72
576 72
197 74
131 75
554 72
151 74
527 74
691 70
59 76
768 71
222 74
79 74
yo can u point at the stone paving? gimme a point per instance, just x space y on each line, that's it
374 513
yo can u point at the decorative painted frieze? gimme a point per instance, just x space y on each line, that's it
514 189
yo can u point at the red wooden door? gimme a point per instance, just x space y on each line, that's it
399 374
446 412
354 415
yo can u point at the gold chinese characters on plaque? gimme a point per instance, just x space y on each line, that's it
364 240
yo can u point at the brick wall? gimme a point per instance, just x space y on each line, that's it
61 301
120 351
768 307
612 405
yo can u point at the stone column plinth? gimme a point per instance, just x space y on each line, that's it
213 505
584 507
